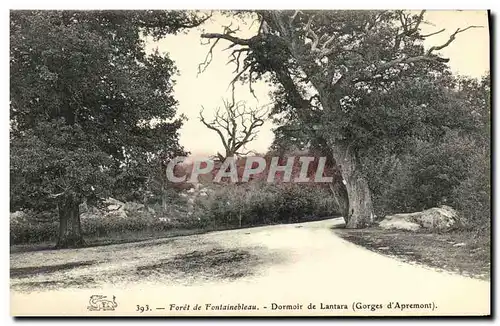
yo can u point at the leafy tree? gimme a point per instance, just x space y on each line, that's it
447 145
90 110
473 195
345 79
476 97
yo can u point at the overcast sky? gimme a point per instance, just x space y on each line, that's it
469 55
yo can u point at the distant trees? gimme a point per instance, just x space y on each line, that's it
90 111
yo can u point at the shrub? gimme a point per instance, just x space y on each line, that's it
472 197
33 232
260 203
44 226
455 172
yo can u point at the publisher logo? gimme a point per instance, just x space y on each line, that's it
99 302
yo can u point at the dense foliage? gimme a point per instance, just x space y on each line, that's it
92 115
450 167
261 203
363 87
90 111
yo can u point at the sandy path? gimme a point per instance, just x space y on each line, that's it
305 264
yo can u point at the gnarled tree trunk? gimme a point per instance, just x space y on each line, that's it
70 229
340 196
360 212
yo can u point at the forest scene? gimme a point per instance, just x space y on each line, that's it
98 111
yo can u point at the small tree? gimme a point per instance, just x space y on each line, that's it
237 125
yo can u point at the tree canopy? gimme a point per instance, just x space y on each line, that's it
349 81
90 109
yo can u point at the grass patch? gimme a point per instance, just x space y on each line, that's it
181 260
215 263
80 282
112 239
23 272
465 253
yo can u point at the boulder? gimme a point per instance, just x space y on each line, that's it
91 212
398 222
115 208
18 216
112 208
133 206
437 218
120 213
113 202
84 207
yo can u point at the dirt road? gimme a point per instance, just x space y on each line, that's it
273 270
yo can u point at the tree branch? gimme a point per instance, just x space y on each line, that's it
236 125
407 26
210 126
198 23
428 56
208 58
227 37
451 39
431 34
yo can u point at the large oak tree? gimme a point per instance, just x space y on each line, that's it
90 110
346 80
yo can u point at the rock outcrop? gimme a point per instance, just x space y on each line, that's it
112 208
437 218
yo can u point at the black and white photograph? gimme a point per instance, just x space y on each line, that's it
250 162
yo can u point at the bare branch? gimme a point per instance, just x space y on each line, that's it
227 37
312 35
292 18
246 153
431 34
210 126
419 20
429 56
326 48
250 83
232 45
57 195
375 20
451 39
235 55
376 74
236 125
235 58
208 58
198 23
410 28
238 75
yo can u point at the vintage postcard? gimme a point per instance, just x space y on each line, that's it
250 163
